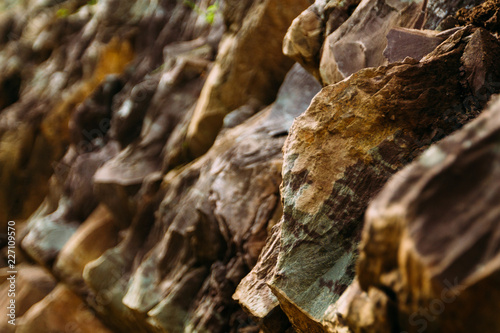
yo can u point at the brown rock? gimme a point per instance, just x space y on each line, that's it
239 75
60 311
360 41
305 37
402 43
431 236
215 214
97 234
32 284
486 15
339 154
193 267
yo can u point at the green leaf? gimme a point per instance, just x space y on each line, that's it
63 12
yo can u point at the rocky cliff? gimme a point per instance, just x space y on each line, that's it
250 166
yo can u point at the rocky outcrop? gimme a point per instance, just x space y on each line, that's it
257 75
214 221
174 171
44 49
485 15
340 152
333 39
430 243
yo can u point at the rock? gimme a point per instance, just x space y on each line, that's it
306 35
32 285
304 38
486 15
239 76
293 98
33 130
253 293
339 154
358 311
207 239
121 177
155 132
360 41
402 43
53 224
431 236
97 234
215 223
439 11
60 311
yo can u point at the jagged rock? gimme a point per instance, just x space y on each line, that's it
431 236
215 223
160 156
253 293
340 152
357 311
58 219
211 217
360 41
33 130
60 311
402 43
486 15
306 35
439 11
97 234
32 284
121 177
239 76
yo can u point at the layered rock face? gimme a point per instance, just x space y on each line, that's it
431 236
173 170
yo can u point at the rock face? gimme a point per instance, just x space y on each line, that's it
257 75
333 39
339 154
430 243
486 15
172 169
361 40
364 138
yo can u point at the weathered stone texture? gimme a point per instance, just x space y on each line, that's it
240 77
155 131
340 152
431 236
360 41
